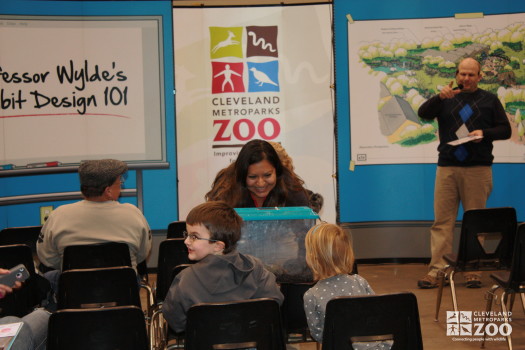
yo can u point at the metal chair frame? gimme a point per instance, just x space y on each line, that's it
471 255
511 281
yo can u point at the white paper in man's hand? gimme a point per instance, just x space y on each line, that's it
464 140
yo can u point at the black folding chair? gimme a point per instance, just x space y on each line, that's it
485 244
243 324
172 252
160 333
511 281
121 327
103 287
176 229
27 235
22 301
106 254
173 256
392 319
90 256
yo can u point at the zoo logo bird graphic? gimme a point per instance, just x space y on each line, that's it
261 77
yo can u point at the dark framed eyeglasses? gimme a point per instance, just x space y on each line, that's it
194 237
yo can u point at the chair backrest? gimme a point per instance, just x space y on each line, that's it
172 252
176 270
121 327
176 229
12 255
242 324
90 256
292 309
365 318
22 300
479 230
517 271
92 288
27 235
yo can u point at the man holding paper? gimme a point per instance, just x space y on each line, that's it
469 119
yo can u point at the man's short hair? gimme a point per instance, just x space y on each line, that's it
221 220
464 58
96 175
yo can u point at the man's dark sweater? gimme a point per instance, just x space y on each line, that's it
478 110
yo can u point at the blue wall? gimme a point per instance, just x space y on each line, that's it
403 192
159 186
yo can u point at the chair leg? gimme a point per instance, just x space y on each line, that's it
149 299
522 295
453 291
504 298
490 297
512 298
158 332
441 281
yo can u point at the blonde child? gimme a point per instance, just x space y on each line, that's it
330 256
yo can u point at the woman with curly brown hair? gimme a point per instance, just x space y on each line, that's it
258 179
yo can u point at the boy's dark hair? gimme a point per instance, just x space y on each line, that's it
221 220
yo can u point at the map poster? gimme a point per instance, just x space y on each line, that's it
396 65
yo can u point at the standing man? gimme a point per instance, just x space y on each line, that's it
96 219
464 171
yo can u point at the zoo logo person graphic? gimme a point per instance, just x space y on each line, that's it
244 59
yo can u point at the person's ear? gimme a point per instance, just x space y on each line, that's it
219 246
108 193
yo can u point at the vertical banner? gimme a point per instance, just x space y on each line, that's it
253 73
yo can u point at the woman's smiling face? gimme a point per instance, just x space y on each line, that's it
261 179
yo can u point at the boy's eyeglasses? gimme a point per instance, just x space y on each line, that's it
194 237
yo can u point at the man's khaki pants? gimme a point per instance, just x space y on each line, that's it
471 186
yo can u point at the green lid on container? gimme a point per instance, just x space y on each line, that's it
276 213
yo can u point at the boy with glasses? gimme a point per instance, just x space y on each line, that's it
221 273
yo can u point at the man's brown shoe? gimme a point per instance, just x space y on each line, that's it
427 282
472 281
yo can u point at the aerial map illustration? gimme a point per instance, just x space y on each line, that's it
397 65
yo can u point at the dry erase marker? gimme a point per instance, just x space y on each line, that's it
6 167
43 164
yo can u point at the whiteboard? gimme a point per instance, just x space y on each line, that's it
75 88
